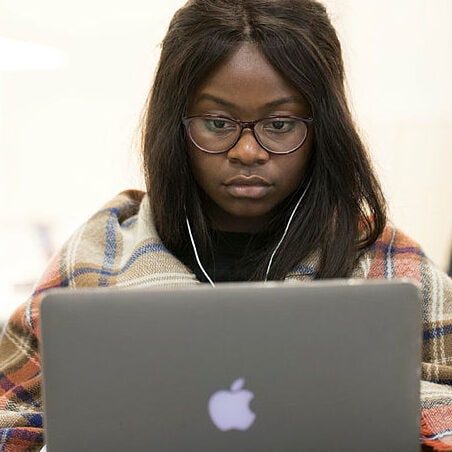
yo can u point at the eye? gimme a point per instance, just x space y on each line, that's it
219 125
278 125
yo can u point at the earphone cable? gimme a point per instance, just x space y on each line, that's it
270 262
198 260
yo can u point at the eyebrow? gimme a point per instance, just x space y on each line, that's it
272 104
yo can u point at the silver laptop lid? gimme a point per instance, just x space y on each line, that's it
240 367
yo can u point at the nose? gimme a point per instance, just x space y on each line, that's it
247 150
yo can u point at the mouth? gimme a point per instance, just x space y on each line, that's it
250 187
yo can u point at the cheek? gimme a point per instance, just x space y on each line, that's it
204 167
292 168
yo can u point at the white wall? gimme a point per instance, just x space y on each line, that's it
398 55
68 133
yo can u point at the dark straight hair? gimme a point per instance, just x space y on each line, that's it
343 211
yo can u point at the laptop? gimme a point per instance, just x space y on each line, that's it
323 366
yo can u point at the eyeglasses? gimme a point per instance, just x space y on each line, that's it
276 134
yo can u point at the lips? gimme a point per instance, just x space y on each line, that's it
251 187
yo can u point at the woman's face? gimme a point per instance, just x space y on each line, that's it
244 184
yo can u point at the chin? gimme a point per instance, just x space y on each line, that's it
244 215
243 220
249 210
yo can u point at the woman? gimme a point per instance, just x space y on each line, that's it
254 171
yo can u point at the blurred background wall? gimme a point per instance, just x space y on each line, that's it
74 77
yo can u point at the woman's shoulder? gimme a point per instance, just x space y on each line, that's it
396 241
393 255
121 215
95 249
124 206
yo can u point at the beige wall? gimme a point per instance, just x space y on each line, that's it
68 132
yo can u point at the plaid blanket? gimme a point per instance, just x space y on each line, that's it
119 247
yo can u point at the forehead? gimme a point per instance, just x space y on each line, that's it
247 81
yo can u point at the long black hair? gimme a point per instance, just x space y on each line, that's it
344 209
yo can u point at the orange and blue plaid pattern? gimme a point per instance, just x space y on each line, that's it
119 247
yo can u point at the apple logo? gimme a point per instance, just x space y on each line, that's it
230 409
